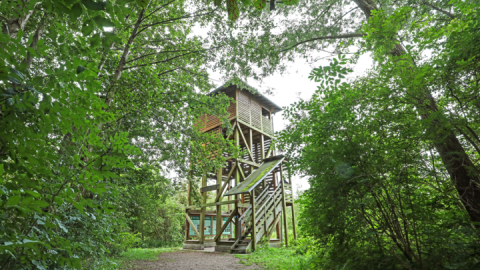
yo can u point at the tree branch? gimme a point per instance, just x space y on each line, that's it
151 13
145 27
439 9
158 62
350 35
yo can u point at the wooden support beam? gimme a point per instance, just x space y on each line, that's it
219 195
273 226
219 207
209 188
192 225
248 162
218 203
270 149
237 181
284 206
202 214
254 225
219 232
256 129
294 223
245 142
239 168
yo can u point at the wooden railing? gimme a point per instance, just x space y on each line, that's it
268 206
288 192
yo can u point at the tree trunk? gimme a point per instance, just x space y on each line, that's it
462 171
15 24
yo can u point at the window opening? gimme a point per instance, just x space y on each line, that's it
265 113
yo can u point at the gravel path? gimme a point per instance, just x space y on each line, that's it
193 260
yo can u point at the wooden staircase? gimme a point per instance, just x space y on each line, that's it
268 208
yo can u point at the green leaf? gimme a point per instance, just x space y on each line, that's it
80 69
13 200
112 37
33 193
232 9
142 3
103 22
92 5
41 204
76 11
259 4
88 27
95 40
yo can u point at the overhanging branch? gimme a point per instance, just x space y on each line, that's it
342 36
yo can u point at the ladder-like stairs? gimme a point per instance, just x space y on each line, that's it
268 207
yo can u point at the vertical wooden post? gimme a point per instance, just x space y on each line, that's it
237 181
251 147
254 225
293 210
204 209
187 225
218 224
262 156
284 205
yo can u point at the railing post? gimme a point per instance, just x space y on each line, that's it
254 227
284 205
219 220
204 208
293 211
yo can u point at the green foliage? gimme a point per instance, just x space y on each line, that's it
84 128
275 258
379 198
127 260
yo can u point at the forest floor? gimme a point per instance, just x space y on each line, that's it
182 260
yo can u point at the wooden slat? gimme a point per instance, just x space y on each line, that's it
192 225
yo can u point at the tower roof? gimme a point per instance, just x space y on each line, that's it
244 86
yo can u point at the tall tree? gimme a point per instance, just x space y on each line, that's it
91 91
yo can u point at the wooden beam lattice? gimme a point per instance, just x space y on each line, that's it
192 225
245 142
219 195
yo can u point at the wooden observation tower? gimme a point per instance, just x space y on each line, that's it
251 193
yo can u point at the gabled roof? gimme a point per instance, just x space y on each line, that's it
244 86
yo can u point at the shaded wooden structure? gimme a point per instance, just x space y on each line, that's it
251 192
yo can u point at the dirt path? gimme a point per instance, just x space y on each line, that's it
193 260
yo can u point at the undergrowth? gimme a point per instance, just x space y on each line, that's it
127 259
276 258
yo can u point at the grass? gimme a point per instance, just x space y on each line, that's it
126 260
275 258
